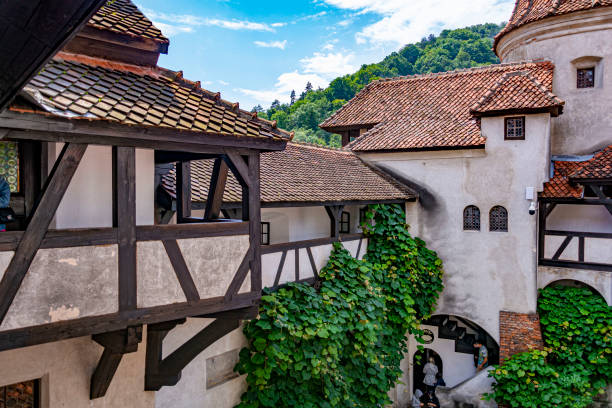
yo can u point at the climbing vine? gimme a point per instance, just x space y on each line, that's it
576 364
341 345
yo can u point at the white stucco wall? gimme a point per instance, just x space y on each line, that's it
586 124
591 218
485 272
65 369
88 202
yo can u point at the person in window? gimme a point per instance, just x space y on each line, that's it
430 370
483 356
5 198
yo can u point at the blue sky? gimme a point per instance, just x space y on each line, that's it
256 51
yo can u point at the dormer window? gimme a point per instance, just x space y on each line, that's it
585 77
514 128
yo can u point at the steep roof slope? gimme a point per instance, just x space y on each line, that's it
529 11
429 111
304 174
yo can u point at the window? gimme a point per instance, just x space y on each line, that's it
265 233
514 128
345 222
498 219
353 134
471 218
362 214
25 394
585 77
9 164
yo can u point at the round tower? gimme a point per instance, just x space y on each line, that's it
576 35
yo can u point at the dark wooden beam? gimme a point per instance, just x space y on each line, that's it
542 213
597 189
161 372
254 206
593 266
561 248
183 191
115 344
240 165
186 231
125 210
279 271
334 212
240 276
312 263
216 190
85 326
247 313
549 208
287 246
181 270
64 169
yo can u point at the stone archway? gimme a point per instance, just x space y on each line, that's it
419 359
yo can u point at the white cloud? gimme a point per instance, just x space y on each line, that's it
284 85
271 44
405 21
329 65
278 25
222 82
239 25
171 29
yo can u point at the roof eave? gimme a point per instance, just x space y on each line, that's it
421 149
554 111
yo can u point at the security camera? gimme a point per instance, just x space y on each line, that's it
532 208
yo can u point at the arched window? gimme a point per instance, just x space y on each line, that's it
471 218
498 219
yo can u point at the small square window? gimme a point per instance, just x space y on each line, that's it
585 78
265 233
514 128
345 222
362 214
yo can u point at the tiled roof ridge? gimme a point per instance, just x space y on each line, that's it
596 156
366 134
321 147
157 72
456 72
504 78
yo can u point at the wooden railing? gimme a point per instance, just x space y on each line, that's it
591 253
298 250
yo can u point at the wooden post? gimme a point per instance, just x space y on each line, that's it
183 191
542 214
64 169
124 183
255 221
216 189
334 212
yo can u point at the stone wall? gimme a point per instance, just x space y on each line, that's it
518 332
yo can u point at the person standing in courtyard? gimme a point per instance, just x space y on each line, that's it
430 370
483 356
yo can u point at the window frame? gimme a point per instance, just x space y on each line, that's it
345 225
592 69
505 212
464 218
265 233
509 118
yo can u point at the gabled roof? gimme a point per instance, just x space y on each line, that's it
529 11
82 87
517 91
569 173
123 17
430 111
304 174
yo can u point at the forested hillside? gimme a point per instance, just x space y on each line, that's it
452 49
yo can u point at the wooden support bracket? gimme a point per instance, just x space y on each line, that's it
334 212
160 371
115 344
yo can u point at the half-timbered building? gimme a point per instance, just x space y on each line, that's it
91 281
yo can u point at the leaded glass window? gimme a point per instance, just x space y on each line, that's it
498 219
9 164
471 218
585 78
515 128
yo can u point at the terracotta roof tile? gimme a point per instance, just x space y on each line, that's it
517 90
106 88
123 17
429 111
529 11
304 173
568 175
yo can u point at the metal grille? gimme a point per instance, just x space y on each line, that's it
471 218
498 219
515 128
20 395
586 78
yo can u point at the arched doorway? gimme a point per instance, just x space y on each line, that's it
420 358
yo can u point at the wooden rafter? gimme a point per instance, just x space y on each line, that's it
598 190
57 183
183 191
160 371
115 344
254 207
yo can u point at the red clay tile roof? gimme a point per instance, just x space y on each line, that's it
428 111
568 174
77 86
123 17
599 167
519 91
529 11
304 173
